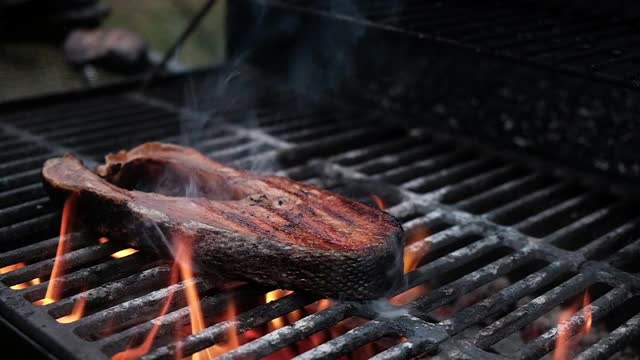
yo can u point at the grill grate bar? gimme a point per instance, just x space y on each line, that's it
481 182
108 145
544 222
135 311
15 235
24 211
531 203
288 335
100 130
361 156
20 152
598 309
72 124
36 252
493 304
91 107
167 324
626 255
11 144
13 181
469 282
451 261
246 321
419 21
612 239
91 276
613 343
410 172
590 221
72 259
524 315
385 162
107 281
496 197
451 175
348 342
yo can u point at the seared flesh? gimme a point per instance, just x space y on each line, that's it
267 229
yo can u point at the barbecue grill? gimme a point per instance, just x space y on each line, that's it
501 137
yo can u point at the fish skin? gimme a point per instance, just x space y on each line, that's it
266 229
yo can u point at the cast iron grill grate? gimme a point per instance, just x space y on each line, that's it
517 238
601 45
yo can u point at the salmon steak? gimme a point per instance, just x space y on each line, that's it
241 225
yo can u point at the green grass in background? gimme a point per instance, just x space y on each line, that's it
161 21
31 68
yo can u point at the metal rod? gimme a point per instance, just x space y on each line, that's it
193 24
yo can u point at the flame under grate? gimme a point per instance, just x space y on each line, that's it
507 241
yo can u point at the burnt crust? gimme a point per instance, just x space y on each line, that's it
232 242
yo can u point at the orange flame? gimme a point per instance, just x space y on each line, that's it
124 252
16 266
562 341
586 300
416 249
76 313
103 240
26 284
379 202
410 295
280 322
10 268
414 252
132 353
321 336
66 228
184 257
232 342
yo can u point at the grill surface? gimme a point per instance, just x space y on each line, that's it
491 217
550 80
599 44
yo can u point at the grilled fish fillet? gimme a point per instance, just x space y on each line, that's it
266 229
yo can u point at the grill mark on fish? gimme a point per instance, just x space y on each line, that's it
275 230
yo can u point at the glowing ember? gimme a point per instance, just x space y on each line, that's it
562 341
321 336
24 285
66 228
379 202
280 322
410 295
124 252
132 353
103 240
76 313
10 268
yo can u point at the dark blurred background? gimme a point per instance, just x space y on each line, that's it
33 35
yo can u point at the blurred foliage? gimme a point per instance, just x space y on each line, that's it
161 21
24 63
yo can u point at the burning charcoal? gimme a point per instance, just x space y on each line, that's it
267 229
116 49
